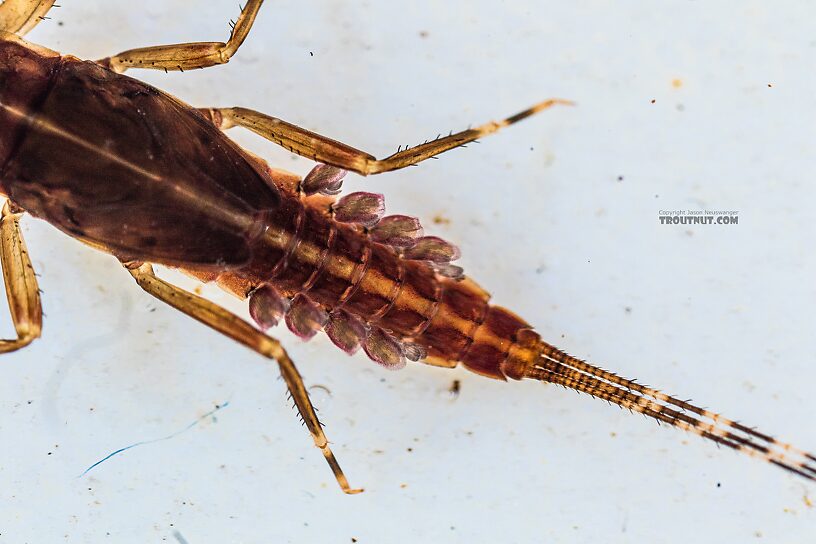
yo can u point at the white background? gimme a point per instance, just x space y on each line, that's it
696 105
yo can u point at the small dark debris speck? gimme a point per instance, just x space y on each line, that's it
653 100
311 53
628 310
620 178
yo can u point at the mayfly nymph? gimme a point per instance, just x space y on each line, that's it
137 173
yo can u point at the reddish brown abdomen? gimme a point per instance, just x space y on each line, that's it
305 251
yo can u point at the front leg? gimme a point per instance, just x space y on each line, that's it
21 284
239 330
187 56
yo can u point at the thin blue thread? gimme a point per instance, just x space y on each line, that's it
168 437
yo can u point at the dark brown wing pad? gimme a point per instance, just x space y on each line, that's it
119 164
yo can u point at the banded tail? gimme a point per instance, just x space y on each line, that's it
560 368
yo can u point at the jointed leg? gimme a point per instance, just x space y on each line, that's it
325 150
239 330
21 285
20 16
187 56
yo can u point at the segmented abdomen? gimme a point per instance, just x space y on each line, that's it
395 302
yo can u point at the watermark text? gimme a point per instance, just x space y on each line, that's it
698 217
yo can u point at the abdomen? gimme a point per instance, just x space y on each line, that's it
306 255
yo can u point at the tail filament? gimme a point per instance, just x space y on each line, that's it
560 368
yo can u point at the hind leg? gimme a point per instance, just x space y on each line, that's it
328 151
239 330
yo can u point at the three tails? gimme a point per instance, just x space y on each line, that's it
560 368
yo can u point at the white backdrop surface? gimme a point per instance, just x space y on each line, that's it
680 105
